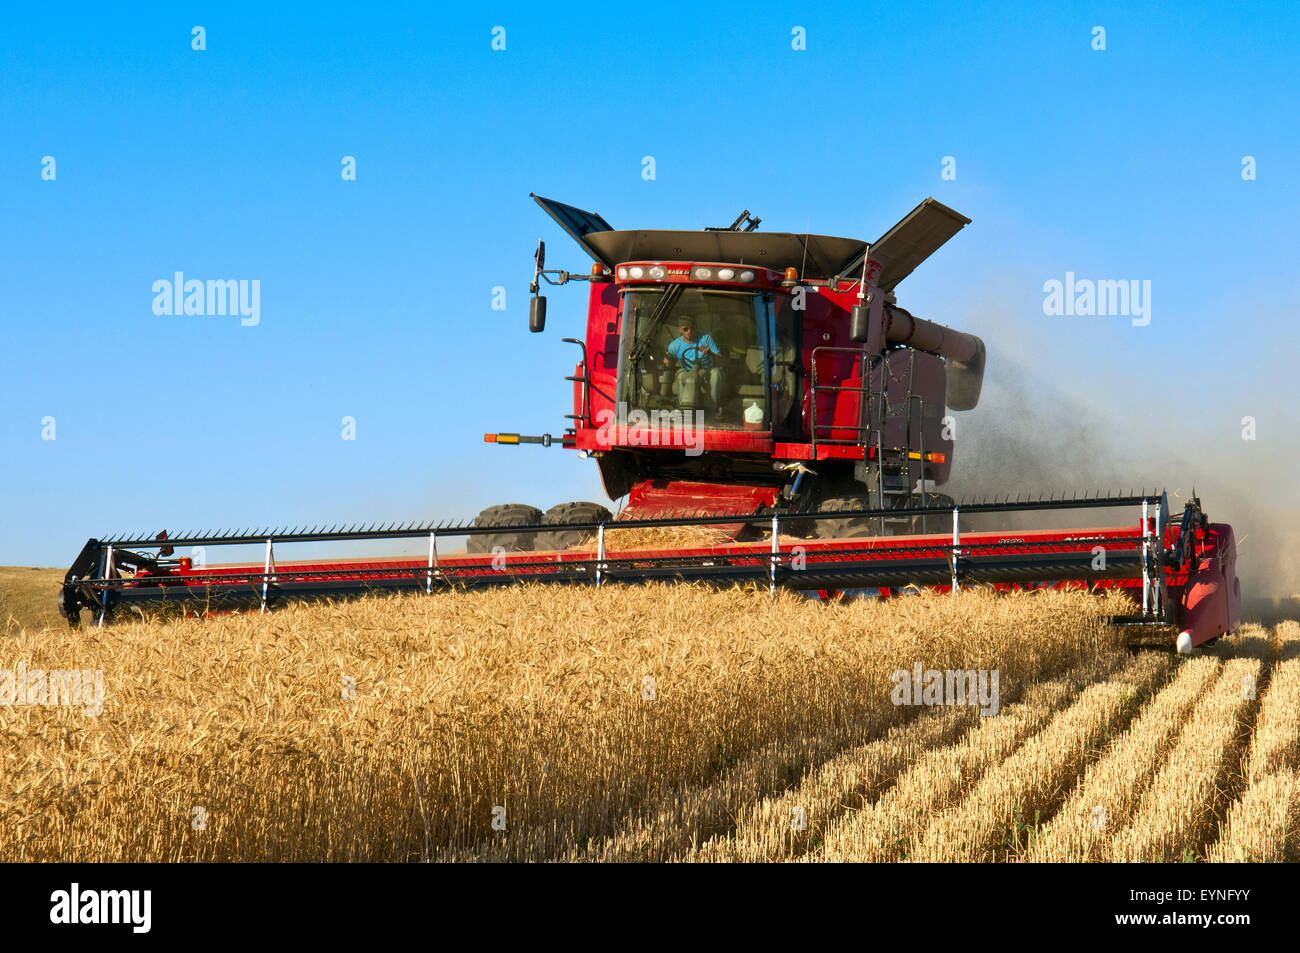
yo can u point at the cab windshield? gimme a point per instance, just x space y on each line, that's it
702 352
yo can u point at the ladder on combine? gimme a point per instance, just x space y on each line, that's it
899 470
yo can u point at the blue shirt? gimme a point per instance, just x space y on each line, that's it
703 356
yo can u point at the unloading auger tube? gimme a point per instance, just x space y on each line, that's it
1181 575
963 352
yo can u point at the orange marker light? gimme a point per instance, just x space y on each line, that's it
489 438
791 274
597 269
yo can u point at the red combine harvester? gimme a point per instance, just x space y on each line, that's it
766 385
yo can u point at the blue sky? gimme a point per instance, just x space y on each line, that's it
376 293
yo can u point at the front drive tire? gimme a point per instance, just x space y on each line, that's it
505 515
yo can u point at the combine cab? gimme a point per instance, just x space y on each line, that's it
765 385
750 371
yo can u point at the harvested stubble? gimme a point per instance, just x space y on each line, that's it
782 825
993 816
1251 641
1264 825
1174 818
27 598
682 820
1103 803
530 699
1286 636
886 830
1275 742
901 631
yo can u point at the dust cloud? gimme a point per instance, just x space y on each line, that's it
1029 438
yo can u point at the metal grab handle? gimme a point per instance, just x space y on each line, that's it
956 548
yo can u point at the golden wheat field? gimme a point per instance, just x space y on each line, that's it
659 723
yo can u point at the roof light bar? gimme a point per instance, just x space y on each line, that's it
686 271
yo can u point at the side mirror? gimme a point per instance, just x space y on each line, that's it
537 313
539 262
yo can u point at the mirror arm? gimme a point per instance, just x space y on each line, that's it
562 278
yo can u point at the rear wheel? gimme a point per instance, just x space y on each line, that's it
506 515
936 522
558 539
850 526
894 525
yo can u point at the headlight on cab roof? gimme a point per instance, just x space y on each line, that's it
707 273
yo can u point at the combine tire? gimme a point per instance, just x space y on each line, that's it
571 513
855 526
936 522
942 522
850 526
505 515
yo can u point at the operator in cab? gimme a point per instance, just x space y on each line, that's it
692 354
688 351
